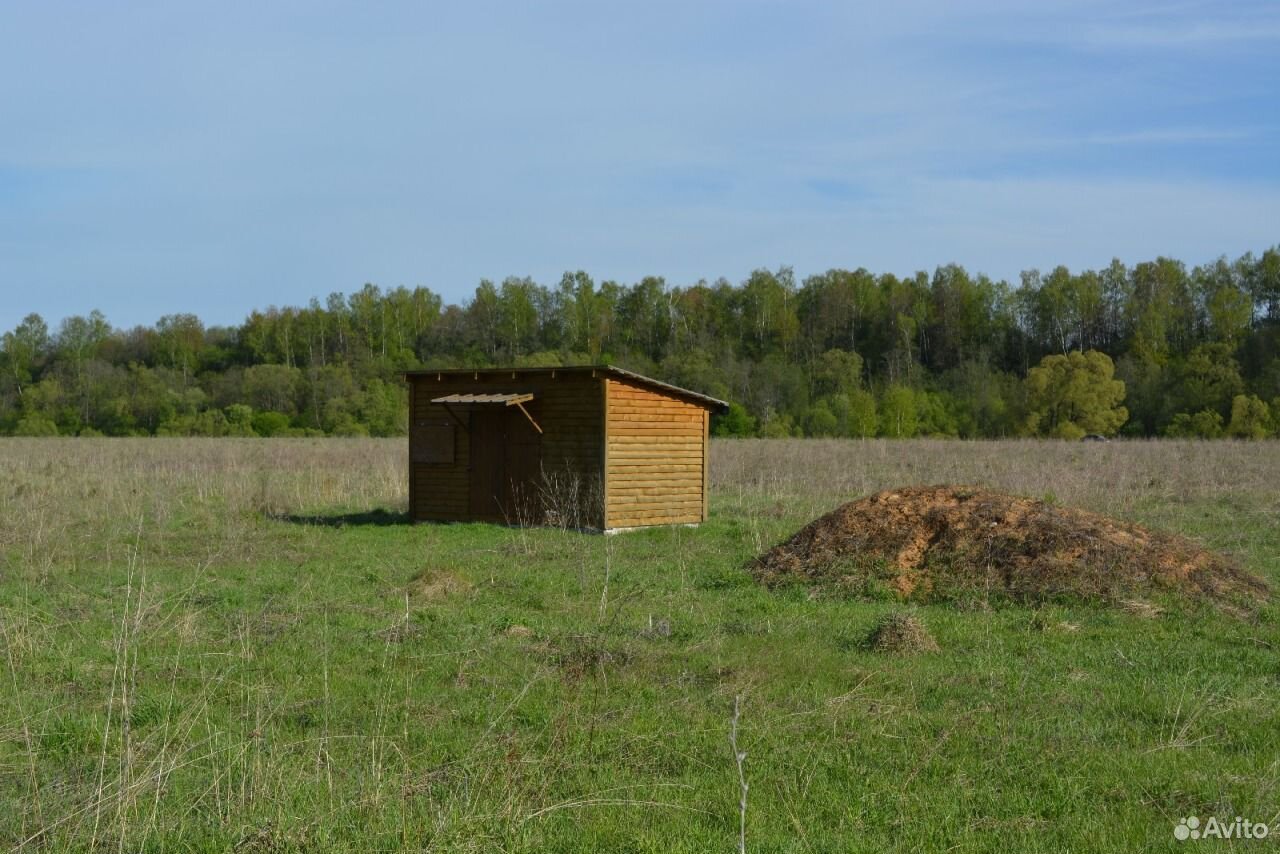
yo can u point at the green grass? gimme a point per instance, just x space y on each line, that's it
196 661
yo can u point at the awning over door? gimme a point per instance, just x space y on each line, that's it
509 399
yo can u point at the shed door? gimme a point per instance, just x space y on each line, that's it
506 464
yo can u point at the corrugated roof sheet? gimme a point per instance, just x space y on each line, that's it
505 399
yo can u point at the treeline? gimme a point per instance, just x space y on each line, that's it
844 353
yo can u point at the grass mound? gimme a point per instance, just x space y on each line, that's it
901 633
939 543
436 585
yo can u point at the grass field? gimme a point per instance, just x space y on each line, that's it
238 645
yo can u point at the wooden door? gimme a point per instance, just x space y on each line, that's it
506 466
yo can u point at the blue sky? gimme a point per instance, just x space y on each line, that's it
165 157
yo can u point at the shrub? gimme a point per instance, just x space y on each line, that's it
736 422
1250 417
35 424
1205 424
820 420
239 420
270 423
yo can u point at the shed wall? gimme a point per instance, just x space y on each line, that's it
568 407
656 457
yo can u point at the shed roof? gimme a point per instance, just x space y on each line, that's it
605 370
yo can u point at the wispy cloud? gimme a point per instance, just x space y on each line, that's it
1164 136
1183 34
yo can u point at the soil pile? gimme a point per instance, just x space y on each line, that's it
939 543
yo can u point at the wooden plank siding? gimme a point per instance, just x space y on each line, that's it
567 407
655 453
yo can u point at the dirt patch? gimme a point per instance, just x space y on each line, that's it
940 543
901 633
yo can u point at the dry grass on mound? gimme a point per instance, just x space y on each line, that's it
931 543
903 634
436 585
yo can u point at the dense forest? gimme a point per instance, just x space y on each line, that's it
1148 350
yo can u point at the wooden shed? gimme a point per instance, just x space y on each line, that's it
584 447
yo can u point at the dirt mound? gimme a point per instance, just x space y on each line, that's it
901 633
939 543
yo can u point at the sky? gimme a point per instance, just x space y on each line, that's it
215 158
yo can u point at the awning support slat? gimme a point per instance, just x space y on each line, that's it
530 417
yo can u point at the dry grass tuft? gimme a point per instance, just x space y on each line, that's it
436 585
901 633
1138 608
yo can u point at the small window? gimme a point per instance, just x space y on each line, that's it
432 442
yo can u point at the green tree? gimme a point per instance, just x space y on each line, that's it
518 317
79 337
1205 424
273 388
1226 300
836 308
1250 417
644 318
48 400
181 339
984 399
777 426
899 415
1265 282
35 424
820 420
77 343
936 415
23 348
768 303
836 372
863 418
905 319
239 420
1160 309
383 408
1071 395
270 423
1209 378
